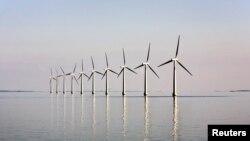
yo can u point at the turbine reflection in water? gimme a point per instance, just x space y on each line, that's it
124 117
82 109
93 117
107 118
175 119
73 111
146 118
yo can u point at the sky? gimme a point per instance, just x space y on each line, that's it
214 44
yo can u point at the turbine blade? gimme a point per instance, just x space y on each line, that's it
92 63
74 68
90 76
148 51
120 72
99 72
165 63
177 46
124 60
131 70
75 79
68 73
51 71
184 68
114 72
107 60
104 74
153 71
62 70
138 66
82 65
86 75
79 76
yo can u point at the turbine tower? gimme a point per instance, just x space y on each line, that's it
64 80
93 76
146 65
51 81
175 60
73 77
56 78
82 73
124 67
107 69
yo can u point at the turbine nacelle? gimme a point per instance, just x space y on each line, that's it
175 59
106 69
145 63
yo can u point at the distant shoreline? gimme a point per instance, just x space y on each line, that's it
239 91
17 91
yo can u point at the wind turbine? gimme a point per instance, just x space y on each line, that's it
107 69
146 65
51 81
73 77
82 73
175 60
93 76
56 79
124 67
64 80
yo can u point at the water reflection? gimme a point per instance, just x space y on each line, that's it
82 109
93 117
146 118
64 110
107 118
175 119
73 111
124 117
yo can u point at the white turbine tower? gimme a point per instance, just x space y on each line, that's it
51 77
73 77
56 79
175 60
146 65
107 69
123 70
93 76
64 80
82 73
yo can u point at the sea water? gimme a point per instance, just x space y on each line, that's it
40 116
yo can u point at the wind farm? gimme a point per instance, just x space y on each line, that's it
108 71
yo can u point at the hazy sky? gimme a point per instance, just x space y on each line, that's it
215 44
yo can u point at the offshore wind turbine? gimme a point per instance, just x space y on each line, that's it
93 76
124 67
107 69
56 79
175 60
82 73
64 80
146 65
73 77
51 77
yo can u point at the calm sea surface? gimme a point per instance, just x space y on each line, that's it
40 116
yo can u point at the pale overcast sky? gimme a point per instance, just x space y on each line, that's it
214 46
